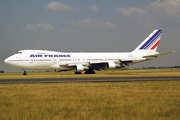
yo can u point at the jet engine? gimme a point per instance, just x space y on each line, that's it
112 65
79 68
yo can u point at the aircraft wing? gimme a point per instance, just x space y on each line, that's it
98 65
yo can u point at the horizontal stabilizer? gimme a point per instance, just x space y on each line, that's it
157 55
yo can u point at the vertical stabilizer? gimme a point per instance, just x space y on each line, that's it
150 44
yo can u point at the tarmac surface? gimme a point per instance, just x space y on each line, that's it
105 79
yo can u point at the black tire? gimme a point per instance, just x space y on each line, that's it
89 72
86 72
24 73
77 73
93 72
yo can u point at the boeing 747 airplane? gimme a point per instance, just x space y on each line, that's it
88 62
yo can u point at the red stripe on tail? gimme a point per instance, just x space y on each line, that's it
155 45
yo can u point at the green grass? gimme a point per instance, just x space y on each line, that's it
54 101
104 73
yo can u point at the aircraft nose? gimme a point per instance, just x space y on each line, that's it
9 61
6 61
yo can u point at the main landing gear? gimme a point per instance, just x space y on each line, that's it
90 72
25 73
87 72
77 73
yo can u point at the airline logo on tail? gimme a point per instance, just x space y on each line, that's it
152 42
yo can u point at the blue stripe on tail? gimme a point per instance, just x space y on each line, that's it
151 40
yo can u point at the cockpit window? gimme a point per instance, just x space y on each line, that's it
19 52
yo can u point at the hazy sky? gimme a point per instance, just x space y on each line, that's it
88 25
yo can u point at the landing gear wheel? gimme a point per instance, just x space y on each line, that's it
25 73
77 73
89 72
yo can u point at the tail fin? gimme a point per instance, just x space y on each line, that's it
150 44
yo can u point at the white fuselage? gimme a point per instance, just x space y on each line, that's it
51 60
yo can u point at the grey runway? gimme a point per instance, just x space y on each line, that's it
105 79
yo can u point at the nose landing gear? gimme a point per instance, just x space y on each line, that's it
25 73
